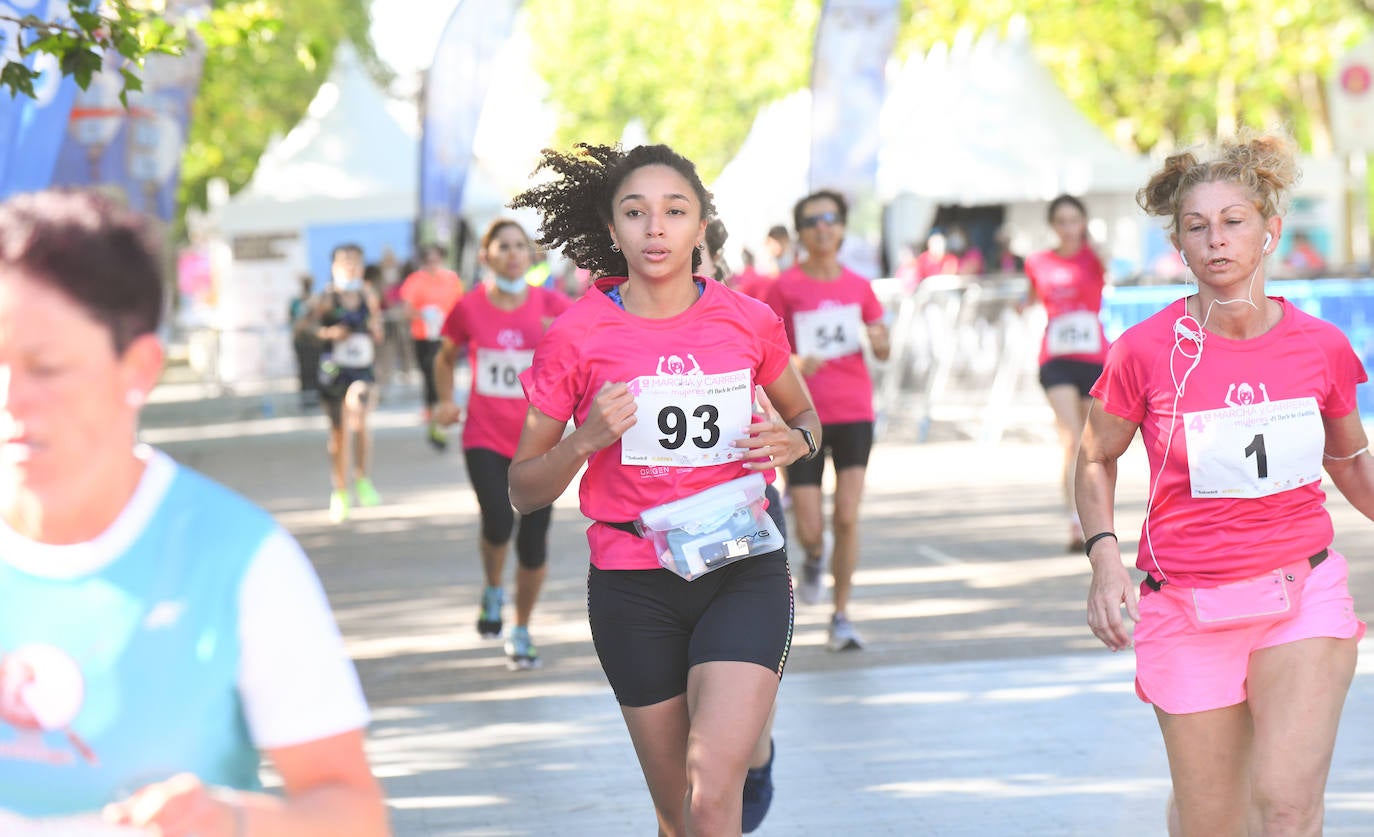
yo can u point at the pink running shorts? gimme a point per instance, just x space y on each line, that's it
1183 668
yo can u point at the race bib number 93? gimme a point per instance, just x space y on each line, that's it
688 421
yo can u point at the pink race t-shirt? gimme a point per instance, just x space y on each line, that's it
686 372
1071 290
1240 493
824 318
500 345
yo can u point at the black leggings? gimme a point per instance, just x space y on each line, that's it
489 473
425 352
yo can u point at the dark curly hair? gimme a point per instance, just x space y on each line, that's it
576 204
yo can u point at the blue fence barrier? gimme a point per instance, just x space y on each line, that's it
1347 304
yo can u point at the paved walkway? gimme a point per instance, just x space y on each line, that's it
982 707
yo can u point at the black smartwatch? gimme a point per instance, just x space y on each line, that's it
811 449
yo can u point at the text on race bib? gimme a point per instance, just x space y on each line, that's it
498 372
828 333
1074 333
688 421
1254 450
355 351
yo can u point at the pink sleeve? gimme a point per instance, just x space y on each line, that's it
1121 388
872 308
554 383
775 299
1346 373
556 303
777 350
456 326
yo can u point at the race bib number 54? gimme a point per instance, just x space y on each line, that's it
688 421
1254 450
828 333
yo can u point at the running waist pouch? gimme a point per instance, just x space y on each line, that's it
704 532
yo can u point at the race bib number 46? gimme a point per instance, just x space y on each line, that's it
1254 450
688 421
1074 333
498 372
828 333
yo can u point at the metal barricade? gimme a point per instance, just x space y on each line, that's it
963 353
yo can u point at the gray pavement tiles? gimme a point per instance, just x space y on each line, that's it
982 707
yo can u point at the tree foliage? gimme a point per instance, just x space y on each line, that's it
265 59
79 41
694 73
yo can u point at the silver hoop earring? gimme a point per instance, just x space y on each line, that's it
615 248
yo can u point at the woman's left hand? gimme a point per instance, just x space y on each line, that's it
770 443
182 806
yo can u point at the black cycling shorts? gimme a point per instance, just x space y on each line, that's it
650 626
1080 374
489 471
847 444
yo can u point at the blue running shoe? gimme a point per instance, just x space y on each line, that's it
520 649
489 618
758 792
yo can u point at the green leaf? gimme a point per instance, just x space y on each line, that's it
18 78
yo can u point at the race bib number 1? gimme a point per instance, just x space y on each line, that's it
498 372
828 333
688 421
1254 450
1074 333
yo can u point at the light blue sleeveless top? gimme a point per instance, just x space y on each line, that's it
127 675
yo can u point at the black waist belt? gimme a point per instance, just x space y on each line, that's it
1155 585
629 526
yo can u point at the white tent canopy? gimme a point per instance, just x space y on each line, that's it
983 122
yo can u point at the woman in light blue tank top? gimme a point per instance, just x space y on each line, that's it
134 689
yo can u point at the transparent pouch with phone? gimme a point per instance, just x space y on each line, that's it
712 528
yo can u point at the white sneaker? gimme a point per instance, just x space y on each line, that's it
843 635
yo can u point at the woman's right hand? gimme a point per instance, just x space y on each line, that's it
1111 588
448 413
612 413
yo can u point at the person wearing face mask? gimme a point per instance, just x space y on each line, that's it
498 325
968 259
1068 281
351 328
1245 631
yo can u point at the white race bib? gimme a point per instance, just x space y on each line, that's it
828 333
355 351
688 421
1074 333
498 372
432 316
1254 450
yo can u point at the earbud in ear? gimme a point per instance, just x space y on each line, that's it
1184 258
1268 237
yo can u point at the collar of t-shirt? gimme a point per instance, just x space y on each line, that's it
68 561
614 293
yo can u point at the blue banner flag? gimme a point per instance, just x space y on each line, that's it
31 128
455 88
135 151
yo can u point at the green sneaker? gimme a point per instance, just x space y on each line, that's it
367 492
338 506
437 437
520 648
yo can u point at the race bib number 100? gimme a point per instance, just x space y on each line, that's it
828 333
688 421
1254 450
498 372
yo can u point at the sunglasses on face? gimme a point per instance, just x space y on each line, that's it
813 221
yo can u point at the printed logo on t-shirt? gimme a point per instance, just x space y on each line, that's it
510 338
687 418
1254 446
42 691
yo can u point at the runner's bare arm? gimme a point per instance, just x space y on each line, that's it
1348 461
545 461
448 412
1105 438
786 406
879 340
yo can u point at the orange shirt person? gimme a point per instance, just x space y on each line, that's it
429 294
